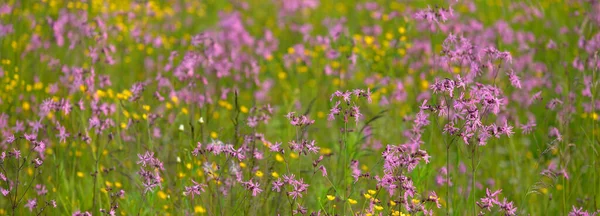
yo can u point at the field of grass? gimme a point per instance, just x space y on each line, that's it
299 107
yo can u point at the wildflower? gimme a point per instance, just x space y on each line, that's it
434 198
253 187
555 133
279 158
199 209
300 210
277 184
10 139
4 191
275 147
195 189
514 79
15 153
149 171
508 207
136 91
553 103
78 213
490 199
323 170
38 162
300 120
355 170
31 204
62 134
330 197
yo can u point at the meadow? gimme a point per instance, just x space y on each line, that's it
299 107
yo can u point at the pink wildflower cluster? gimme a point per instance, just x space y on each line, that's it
150 171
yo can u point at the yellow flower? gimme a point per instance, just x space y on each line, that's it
259 173
330 197
401 30
368 196
26 106
80 174
424 84
100 93
352 202
335 64
242 165
175 99
293 155
243 109
401 52
320 114
372 192
325 151
214 135
282 75
38 86
279 158
162 195
378 208
389 36
369 40
199 209
302 69
275 174
456 70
